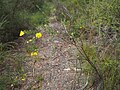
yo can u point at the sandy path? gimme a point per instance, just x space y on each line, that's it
57 66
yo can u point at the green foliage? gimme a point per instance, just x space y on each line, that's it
31 47
95 24
19 15
11 68
13 60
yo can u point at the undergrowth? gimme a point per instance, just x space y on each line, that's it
93 27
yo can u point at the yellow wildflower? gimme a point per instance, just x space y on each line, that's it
29 41
81 27
23 78
34 53
38 35
16 77
21 33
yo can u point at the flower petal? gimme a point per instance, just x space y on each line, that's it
38 35
21 33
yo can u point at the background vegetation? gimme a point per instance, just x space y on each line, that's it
95 24
19 15
92 25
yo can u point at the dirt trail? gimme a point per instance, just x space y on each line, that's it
57 65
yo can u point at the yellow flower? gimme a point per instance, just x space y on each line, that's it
16 77
23 78
34 53
29 41
38 35
21 33
81 27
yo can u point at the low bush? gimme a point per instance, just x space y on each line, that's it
93 26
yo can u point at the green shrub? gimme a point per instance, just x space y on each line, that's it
95 24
